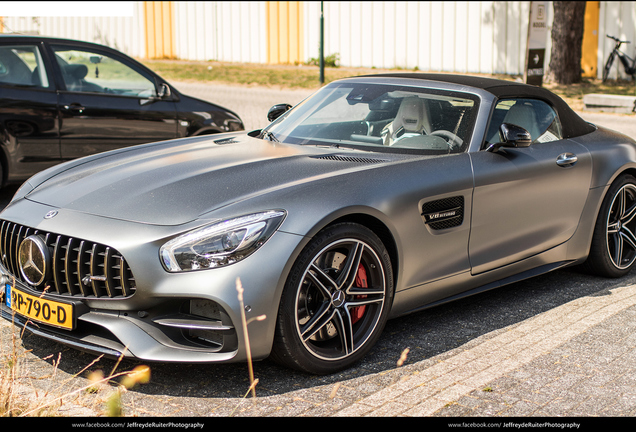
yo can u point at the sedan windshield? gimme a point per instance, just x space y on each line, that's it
380 118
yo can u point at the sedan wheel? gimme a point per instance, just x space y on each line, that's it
613 251
336 301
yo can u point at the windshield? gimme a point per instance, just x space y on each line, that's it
379 117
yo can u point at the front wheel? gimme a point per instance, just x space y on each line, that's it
613 250
336 301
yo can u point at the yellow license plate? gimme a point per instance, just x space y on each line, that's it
39 309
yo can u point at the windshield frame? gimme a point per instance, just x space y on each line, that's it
300 112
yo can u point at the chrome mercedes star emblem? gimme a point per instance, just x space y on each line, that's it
338 298
32 258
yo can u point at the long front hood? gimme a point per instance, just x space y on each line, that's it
178 181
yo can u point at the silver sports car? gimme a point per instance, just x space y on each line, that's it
375 197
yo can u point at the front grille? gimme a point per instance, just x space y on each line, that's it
78 268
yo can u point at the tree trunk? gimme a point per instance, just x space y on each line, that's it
567 42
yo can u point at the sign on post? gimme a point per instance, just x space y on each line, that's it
537 40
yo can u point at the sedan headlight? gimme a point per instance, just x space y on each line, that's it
220 243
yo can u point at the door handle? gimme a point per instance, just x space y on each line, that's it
74 107
567 160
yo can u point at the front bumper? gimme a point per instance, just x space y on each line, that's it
171 331
189 317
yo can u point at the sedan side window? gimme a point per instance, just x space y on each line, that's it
85 71
22 65
536 116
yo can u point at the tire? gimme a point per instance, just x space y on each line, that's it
608 65
613 249
336 301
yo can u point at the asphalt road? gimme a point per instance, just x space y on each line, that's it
439 336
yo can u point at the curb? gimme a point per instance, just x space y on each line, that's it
610 103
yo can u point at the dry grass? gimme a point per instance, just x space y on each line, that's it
23 395
100 395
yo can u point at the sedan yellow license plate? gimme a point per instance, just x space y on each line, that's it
39 309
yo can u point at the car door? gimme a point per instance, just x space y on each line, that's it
107 103
28 110
526 200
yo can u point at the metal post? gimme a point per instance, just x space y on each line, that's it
322 44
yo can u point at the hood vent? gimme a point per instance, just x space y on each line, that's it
339 158
231 140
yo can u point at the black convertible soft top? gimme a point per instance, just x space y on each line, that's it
572 124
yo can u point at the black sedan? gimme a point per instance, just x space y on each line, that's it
62 99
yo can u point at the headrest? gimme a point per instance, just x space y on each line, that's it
411 114
523 114
77 71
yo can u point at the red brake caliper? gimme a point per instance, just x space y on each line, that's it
361 282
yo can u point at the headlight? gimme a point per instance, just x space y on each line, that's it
221 243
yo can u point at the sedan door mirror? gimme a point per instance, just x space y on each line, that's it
164 91
513 136
277 110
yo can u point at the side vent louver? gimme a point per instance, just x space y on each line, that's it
444 213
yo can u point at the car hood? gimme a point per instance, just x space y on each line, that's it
178 181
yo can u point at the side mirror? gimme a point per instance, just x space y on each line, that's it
164 91
513 136
277 110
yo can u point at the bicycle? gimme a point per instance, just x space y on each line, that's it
628 63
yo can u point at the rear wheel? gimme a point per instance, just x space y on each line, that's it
608 66
335 302
613 250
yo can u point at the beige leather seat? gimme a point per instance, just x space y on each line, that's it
523 114
412 118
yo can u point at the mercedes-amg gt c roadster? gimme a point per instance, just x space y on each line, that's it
375 197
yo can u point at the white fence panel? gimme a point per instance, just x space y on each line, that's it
224 31
122 33
462 36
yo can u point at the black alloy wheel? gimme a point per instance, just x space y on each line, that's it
613 251
336 301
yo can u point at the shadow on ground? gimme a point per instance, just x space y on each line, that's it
430 335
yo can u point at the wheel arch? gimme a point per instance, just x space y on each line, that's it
380 229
